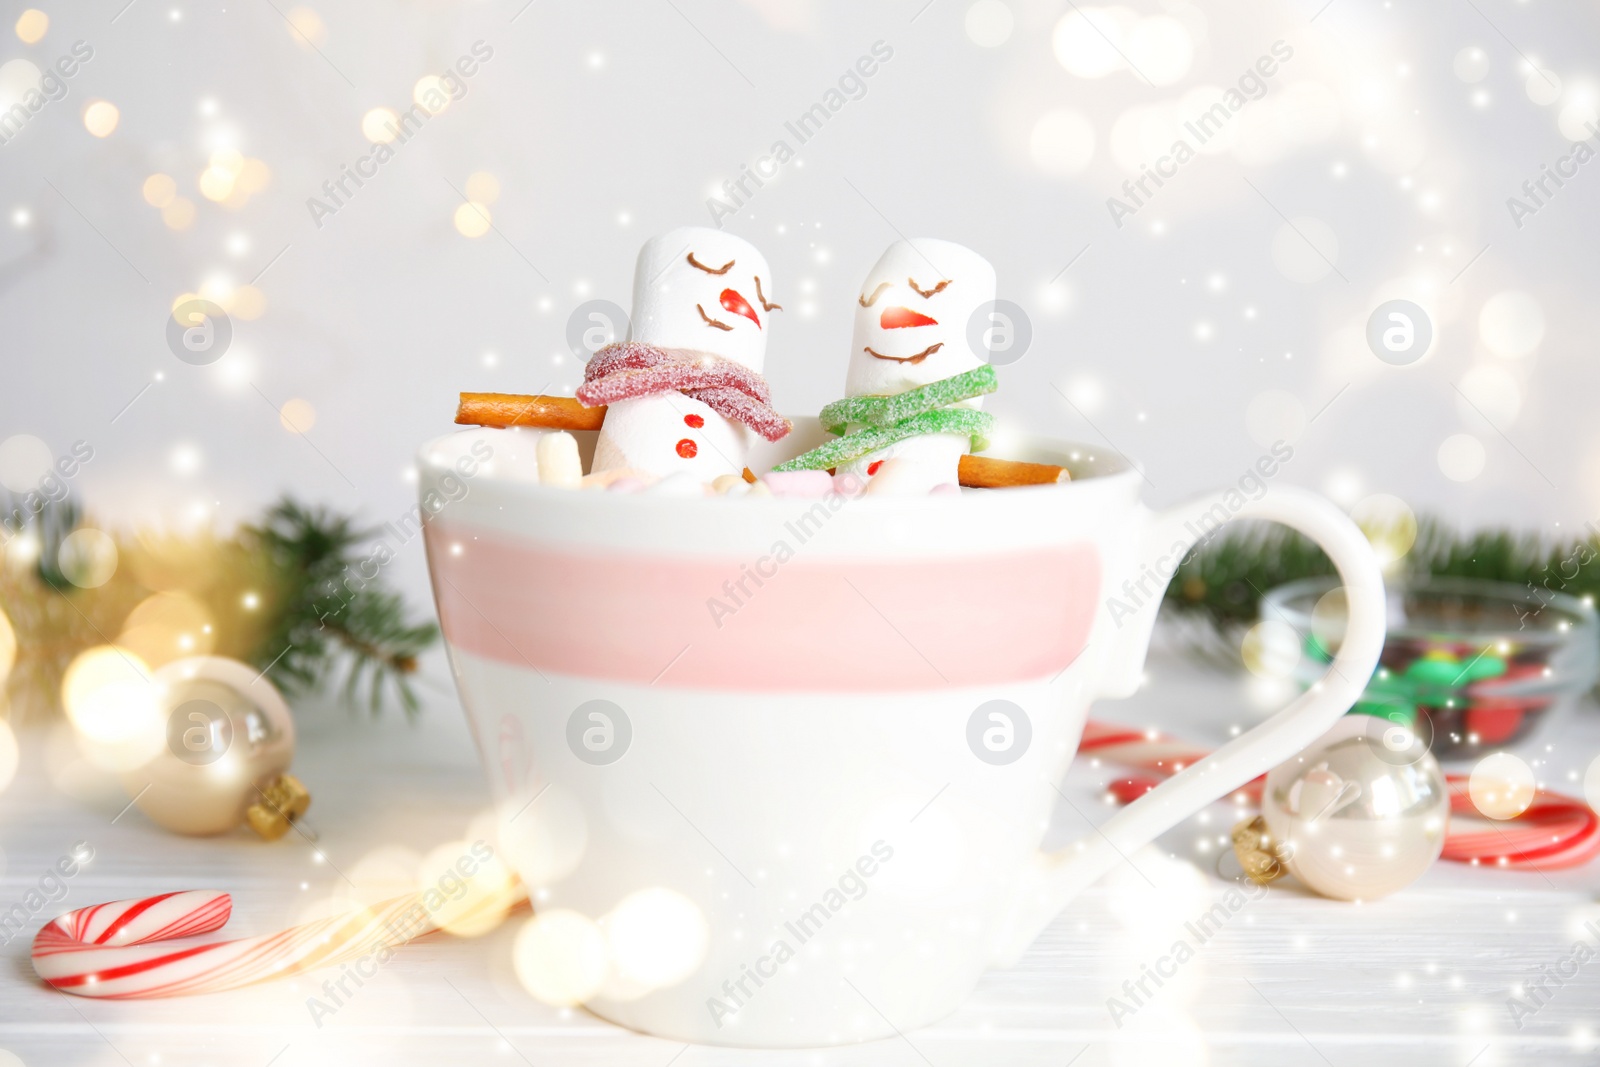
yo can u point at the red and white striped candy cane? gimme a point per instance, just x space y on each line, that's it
1555 832
119 951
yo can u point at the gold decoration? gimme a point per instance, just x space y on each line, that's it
283 800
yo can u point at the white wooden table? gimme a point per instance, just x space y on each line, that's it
1421 978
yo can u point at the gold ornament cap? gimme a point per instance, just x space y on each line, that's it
283 800
1262 858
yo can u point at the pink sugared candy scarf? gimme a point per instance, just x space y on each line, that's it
632 369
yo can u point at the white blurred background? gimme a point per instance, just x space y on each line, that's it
1226 313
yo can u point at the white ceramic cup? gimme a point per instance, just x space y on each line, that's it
796 757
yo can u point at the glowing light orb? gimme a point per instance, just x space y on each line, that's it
88 557
32 25
1501 786
657 936
1511 324
100 118
561 957
1389 523
1462 457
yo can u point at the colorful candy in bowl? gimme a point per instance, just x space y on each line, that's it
1468 665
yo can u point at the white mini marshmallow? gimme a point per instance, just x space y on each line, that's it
702 289
910 330
559 463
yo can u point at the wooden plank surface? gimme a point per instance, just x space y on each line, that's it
1422 978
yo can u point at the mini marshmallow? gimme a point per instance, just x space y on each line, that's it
726 484
604 479
628 484
704 290
680 484
559 463
798 483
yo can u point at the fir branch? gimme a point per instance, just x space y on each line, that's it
1222 581
332 609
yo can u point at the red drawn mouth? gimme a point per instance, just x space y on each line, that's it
898 318
732 301
913 360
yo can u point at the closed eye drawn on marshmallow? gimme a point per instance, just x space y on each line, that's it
868 301
926 293
710 270
708 319
765 305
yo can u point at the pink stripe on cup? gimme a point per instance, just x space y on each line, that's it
807 625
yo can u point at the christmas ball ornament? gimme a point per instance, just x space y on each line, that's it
1358 815
229 740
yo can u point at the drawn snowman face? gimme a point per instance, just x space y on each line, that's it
912 316
703 289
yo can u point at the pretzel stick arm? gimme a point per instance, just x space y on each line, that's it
512 409
982 472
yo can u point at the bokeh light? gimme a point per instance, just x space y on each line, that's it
297 415
486 895
472 220
1471 64
100 118
10 757
1086 40
17 78
32 25
1389 523
88 557
560 957
246 302
1160 49
1502 786
657 936
1271 649
1511 324
306 26
168 626
988 23
216 183
8 648
180 214
1461 457
159 190
546 840
108 695
431 94
380 125
483 188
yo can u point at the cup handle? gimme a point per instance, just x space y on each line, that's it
1129 614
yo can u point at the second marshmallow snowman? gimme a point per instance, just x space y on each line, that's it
685 393
911 330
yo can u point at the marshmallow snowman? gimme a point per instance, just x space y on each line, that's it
911 330
701 289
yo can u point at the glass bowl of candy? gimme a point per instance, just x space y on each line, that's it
1468 665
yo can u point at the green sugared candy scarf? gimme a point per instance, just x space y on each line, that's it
885 420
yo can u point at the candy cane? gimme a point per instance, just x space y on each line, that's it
116 950
1555 832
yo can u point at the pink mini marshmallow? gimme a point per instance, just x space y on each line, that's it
798 483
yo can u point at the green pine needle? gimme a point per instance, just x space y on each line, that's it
334 609
1222 582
